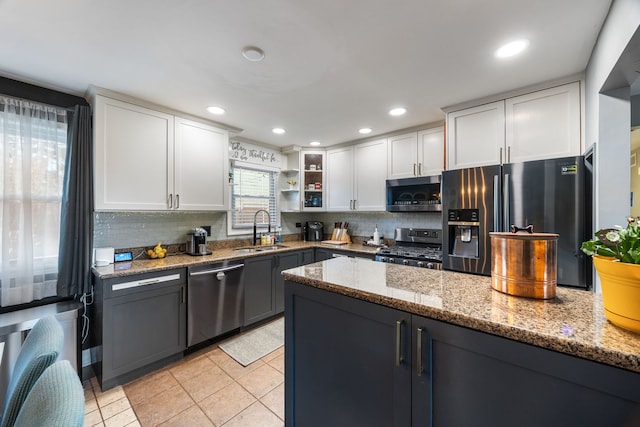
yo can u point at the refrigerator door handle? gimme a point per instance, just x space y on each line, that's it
496 203
506 195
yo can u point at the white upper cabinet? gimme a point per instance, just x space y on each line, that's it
149 160
416 154
340 179
402 160
201 166
431 151
540 125
370 175
475 136
133 156
356 177
543 124
313 180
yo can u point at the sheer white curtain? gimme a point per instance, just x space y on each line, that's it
33 139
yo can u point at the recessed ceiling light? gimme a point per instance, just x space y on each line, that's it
398 111
253 53
216 110
365 130
511 49
314 143
278 131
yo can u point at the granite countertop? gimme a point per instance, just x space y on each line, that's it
146 265
572 323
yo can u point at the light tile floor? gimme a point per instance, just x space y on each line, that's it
206 388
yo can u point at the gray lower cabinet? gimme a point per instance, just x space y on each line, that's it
323 254
350 362
259 301
139 324
264 285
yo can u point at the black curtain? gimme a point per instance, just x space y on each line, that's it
76 220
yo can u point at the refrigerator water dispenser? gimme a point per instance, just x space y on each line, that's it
463 233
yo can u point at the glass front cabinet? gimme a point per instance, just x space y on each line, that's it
313 180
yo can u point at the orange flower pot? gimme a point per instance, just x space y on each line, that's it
620 291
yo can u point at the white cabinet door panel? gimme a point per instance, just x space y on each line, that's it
543 124
370 167
402 156
133 149
431 151
201 166
339 179
475 136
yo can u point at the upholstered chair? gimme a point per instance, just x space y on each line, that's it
56 399
39 351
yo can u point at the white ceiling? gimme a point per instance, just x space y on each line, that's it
331 66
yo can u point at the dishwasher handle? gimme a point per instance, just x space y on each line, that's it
216 270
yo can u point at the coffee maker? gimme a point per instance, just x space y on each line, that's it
197 242
313 231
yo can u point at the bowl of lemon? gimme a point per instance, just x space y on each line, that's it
157 252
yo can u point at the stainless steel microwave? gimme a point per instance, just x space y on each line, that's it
420 194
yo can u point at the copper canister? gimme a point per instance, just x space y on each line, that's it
524 264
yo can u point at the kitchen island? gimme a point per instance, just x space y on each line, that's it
382 344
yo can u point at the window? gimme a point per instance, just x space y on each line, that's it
253 189
33 144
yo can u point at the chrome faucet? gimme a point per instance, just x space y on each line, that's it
255 225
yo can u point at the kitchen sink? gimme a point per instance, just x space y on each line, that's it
254 249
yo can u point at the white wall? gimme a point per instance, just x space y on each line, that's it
608 118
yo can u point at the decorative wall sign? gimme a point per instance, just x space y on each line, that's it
250 153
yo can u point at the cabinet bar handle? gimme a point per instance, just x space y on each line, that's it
177 201
137 283
500 155
414 169
399 359
507 201
496 203
354 204
509 154
170 201
419 352
420 169
182 295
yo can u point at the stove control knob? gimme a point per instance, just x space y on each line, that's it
420 264
431 265
405 262
383 259
391 260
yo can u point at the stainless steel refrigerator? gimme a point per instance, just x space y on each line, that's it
552 195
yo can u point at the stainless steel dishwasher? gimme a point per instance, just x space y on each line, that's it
215 300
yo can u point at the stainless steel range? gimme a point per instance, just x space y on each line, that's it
417 247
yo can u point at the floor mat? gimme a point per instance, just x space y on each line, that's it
251 346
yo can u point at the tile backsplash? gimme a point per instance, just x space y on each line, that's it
133 229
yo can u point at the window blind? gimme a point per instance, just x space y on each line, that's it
253 190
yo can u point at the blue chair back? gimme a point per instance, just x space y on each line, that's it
56 399
39 351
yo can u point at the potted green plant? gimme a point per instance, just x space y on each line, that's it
616 257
